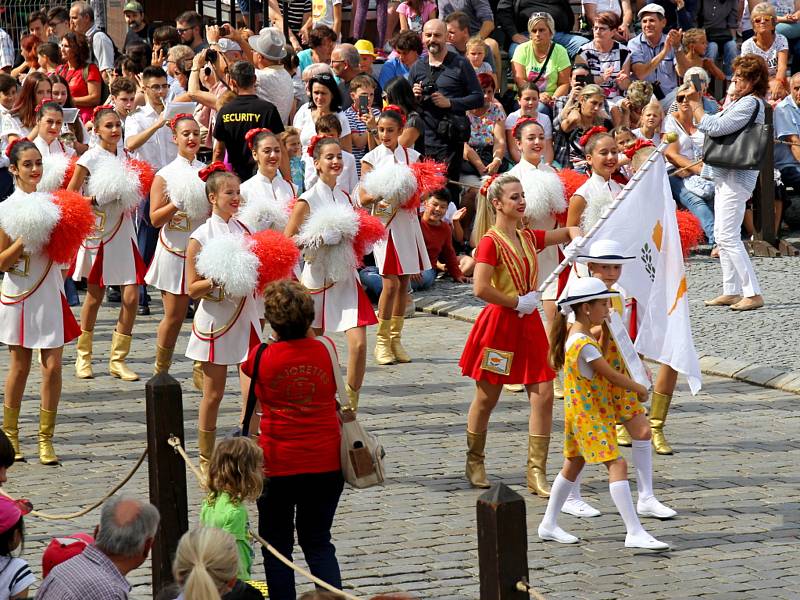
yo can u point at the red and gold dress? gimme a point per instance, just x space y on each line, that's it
504 348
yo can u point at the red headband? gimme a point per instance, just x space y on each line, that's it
12 144
102 107
398 110
591 133
42 103
174 120
313 143
214 167
522 122
488 183
248 137
638 145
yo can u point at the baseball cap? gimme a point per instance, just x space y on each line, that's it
228 45
11 511
133 6
269 43
365 47
652 8
61 549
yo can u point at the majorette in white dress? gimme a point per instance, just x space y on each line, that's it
33 309
598 194
340 305
548 257
224 328
110 255
403 251
277 194
167 270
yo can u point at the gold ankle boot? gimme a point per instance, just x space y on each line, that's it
83 364
395 330
163 360
120 347
538 445
353 396
383 343
623 437
205 445
47 426
476 471
659 407
11 429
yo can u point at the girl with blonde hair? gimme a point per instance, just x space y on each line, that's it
205 564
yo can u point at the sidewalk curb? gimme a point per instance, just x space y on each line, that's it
749 372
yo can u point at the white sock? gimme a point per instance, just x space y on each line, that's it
558 495
643 461
575 492
621 494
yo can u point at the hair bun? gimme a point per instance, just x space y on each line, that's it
248 137
638 145
214 167
597 129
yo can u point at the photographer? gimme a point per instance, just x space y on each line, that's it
446 86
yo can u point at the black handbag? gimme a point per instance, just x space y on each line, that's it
743 149
250 407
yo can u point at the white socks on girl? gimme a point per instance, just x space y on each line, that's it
548 528
648 505
637 537
576 505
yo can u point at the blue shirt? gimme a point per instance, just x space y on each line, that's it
787 124
392 68
305 59
642 53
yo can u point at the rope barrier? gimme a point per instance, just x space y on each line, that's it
175 442
92 506
524 586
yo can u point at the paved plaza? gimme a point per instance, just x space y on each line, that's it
734 479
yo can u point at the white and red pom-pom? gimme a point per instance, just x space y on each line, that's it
571 180
277 256
430 176
690 231
144 173
115 180
394 184
544 195
188 193
227 260
29 217
338 260
74 226
54 172
370 231
260 213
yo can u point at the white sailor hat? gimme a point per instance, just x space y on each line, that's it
584 289
605 252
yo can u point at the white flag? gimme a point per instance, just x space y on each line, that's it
644 224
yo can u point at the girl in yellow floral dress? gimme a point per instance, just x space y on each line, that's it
589 415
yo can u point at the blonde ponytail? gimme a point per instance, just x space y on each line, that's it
491 189
205 563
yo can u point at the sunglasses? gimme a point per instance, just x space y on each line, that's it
682 98
765 19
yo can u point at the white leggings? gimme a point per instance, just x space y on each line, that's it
738 276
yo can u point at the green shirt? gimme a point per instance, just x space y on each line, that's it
231 517
559 60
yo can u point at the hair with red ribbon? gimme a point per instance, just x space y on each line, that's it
250 136
99 110
312 145
13 143
638 145
42 103
597 129
215 167
516 132
488 183
393 108
173 122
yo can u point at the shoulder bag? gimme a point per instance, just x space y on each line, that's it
743 149
251 393
361 453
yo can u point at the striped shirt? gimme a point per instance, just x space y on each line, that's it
358 126
6 50
89 576
15 576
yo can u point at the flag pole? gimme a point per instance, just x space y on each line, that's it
666 140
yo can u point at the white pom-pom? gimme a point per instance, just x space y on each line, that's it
260 213
544 195
31 217
113 180
393 183
595 209
54 168
188 192
227 260
337 260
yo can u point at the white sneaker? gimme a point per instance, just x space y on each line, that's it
643 540
651 507
556 534
579 508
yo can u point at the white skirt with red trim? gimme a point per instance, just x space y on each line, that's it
339 306
113 259
403 252
224 329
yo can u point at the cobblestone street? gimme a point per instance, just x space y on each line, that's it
733 480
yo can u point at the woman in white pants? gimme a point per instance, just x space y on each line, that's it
733 187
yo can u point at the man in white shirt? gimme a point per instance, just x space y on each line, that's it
6 52
81 20
273 82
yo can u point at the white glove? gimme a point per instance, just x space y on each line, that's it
527 304
571 251
331 237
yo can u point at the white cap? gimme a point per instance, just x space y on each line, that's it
652 8
605 252
228 45
584 289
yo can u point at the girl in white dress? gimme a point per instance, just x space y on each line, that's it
403 253
340 305
178 206
224 327
33 310
50 121
110 256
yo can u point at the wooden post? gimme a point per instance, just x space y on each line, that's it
502 544
167 473
766 188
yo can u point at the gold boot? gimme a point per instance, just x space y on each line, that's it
538 446
476 471
623 437
163 360
83 364
197 375
383 343
205 444
11 429
395 329
352 395
659 406
120 347
47 426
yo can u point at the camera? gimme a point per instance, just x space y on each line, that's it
211 55
427 90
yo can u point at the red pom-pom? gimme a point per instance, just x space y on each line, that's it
690 230
431 176
146 175
74 225
370 230
277 256
70 171
571 180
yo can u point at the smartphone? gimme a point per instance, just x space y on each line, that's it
584 79
211 55
363 105
696 82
